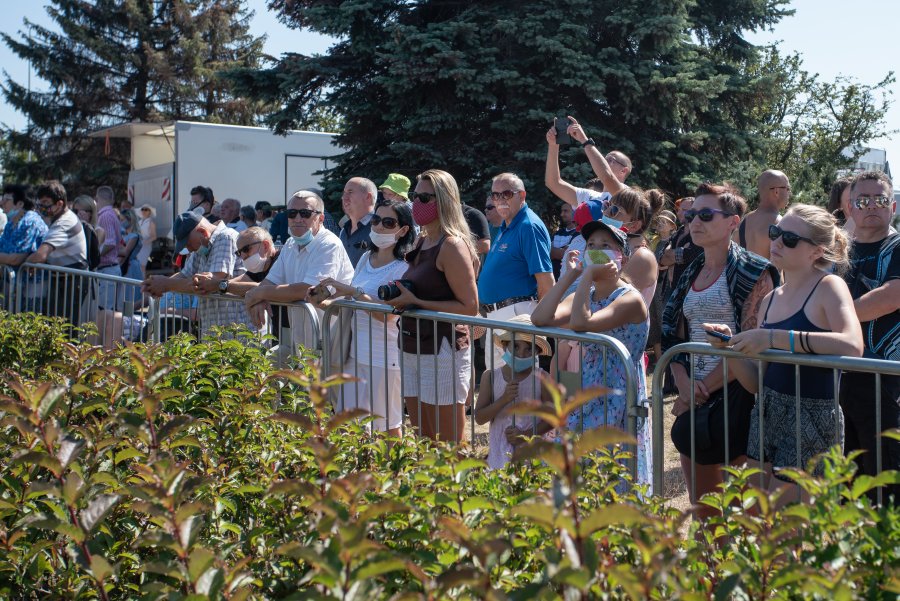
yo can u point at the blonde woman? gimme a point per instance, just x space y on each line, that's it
441 277
812 312
86 209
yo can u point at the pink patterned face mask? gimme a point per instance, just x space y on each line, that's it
425 213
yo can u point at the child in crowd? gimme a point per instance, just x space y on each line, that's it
812 312
519 378
605 303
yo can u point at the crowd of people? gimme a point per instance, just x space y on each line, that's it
629 263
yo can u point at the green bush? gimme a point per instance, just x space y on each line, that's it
196 471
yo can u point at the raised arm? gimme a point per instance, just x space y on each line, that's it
552 179
598 162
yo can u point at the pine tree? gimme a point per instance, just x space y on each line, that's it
109 61
472 87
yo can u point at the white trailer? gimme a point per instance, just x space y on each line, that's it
247 163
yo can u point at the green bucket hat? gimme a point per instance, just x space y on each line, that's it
396 183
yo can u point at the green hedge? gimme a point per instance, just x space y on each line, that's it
195 471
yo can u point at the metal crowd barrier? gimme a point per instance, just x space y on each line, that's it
114 303
344 311
122 313
7 287
836 363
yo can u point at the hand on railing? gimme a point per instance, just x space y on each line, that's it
155 285
205 284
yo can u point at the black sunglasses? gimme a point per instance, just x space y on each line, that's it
389 223
423 197
790 239
706 215
488 208
246 248
304 213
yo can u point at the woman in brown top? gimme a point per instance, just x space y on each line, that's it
436 362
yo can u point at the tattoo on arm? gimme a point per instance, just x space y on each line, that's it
751 306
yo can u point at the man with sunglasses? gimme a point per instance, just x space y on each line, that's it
311 255
358 202
774 196
493 218
212 254
64 245
517 272
874 281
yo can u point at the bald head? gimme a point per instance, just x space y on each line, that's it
774 190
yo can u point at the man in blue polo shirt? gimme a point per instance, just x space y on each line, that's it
517 271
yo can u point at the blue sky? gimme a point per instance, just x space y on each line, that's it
834 37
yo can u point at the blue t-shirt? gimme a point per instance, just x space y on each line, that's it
24 237
520 250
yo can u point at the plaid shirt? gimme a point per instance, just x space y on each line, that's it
215 311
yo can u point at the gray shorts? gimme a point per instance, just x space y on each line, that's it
821 427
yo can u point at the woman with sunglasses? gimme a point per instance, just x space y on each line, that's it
725 284
441 277
812 312
378 387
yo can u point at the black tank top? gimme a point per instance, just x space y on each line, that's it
815 382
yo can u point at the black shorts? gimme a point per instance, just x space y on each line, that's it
709 427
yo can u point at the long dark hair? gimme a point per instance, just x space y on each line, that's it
403 210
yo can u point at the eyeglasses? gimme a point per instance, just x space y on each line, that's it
613 210
790 239
304 213
706 215
506 195
423 197
612 159
881 201
245 249
388 223
44 208
488 208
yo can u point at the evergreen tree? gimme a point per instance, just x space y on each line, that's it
471 87
113 61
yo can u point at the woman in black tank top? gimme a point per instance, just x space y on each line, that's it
812 312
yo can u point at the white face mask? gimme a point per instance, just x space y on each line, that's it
382 240
255 263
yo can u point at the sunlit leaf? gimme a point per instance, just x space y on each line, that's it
97 510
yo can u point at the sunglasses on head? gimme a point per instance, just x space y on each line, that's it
880 201
423 197
790 239
304 213
387 223
506 195
706 215
246 248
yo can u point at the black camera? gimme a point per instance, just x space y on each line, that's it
390 290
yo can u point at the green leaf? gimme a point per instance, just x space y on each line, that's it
376 568
173 426
100 568
40 458
198 562
211 583
69 449
613 515
97 510
597 438
293 419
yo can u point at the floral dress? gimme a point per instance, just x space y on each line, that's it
610 409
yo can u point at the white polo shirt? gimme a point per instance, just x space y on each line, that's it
322 258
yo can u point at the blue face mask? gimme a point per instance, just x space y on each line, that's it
613 222
12 214
303 240
203 251
517 364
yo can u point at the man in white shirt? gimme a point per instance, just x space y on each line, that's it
311 255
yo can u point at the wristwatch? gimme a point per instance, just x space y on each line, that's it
223 286
357 292
588 142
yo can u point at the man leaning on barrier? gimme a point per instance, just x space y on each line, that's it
874 281
212 251
311 254
63 245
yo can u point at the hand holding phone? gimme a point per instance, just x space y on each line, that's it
719 335
562 135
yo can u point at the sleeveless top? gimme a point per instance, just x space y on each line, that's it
429 283
499 449
815 382
712 304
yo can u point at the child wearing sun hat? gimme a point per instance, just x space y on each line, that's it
517 379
